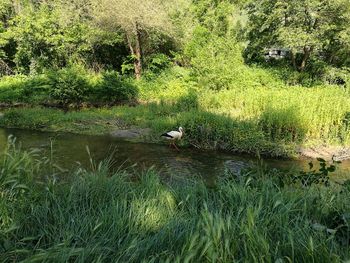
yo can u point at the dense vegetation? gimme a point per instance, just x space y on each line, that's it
265 76
99 215
201 64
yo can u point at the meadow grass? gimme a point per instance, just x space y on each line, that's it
272 122
260 115
103 216
38 118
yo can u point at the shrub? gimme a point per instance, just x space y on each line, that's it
68 85
20 88
188 101
335 76
11 88
217 64
218 68
114 89
158 62
36 89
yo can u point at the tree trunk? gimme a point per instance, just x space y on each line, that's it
307 53
293 60
138 56
134 43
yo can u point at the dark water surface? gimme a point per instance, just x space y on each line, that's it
69 151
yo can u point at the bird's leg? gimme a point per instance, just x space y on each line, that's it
176 147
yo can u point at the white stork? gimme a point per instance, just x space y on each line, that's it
172 136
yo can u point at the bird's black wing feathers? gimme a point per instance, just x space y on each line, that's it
167 135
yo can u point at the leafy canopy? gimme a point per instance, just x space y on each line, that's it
307 27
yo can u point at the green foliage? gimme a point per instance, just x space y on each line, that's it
42 42
11 88
322 176
207 130
214 15
283 124
21 88
168 86
114 89
158 62
54 34
193 72
309 29
82 219
139 21
83 121
337 76
68 85
188 102
273 121
6 12
216 62
128 65
13 119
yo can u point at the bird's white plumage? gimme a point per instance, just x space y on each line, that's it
174 135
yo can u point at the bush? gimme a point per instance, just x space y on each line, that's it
11 88
36 89
21 88
114 89
217 64
158 62
335 76
68 85
188 101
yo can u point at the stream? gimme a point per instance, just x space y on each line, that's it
70 150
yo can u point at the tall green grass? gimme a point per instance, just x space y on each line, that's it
283 114
106 216
259 114
291 114
93 121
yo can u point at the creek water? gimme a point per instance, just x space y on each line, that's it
70 150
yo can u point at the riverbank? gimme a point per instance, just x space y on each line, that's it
144 123
254 115
101 215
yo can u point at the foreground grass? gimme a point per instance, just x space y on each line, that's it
103 216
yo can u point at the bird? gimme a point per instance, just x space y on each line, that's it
172 136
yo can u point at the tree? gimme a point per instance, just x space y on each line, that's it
136 19
306 27
41 40
214 15
6 13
